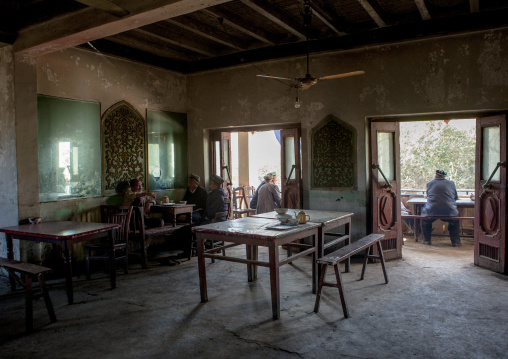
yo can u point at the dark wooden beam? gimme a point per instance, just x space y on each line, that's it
139 40
167 34
369 7
106 6
277 16
474 5
108 48
438 27
238 22
422 8
207 32
324 12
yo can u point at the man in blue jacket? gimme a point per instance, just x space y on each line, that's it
441 197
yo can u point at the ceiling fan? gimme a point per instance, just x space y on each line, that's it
304 83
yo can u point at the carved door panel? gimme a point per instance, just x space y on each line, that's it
385 183
291 178
490 188
220 160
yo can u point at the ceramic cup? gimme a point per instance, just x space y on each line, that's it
293 221
183 202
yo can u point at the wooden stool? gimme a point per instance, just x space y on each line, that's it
28 271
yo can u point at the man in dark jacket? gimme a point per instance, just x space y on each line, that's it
196 195
441 197
215 201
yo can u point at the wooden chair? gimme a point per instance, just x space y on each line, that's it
100 251
240 203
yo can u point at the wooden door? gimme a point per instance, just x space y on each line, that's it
291 178
385 182
490 194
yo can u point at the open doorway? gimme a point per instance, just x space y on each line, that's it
427 146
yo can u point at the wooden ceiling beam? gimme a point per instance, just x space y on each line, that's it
327 15
89 24
474 5
366 4
165 35
277 16
140 41
238 23
207 32
422 8
106 6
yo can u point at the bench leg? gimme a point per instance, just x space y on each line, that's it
320 286
380 250
28 303
47 299
365 259
341 290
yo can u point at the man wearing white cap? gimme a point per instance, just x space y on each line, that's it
268 197
272 178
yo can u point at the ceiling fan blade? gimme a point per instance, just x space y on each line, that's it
338 76
305 87
275 77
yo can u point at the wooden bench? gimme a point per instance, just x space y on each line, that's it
417 217
29 271
342 254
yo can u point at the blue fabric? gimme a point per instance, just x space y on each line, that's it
215 203
441 197
254 200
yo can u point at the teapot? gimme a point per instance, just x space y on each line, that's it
302 217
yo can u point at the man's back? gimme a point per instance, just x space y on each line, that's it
441 197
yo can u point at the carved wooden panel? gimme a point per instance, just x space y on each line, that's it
489 213
333 145
387 210
123 132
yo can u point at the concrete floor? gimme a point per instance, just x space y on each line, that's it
436 305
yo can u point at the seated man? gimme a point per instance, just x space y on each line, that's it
215 201
254 200
197 195
441 197
136 197
269 196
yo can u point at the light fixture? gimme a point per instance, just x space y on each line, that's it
297 102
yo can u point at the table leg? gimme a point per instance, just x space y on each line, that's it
320 252
201 267
112 259
10 255
273 254
68 274
348 230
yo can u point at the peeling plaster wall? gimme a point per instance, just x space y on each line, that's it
83 75
459 73
8 173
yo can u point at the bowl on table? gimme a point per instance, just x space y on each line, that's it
34 220
183 202
281 210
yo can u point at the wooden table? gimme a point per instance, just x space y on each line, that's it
419 202
172 210
253 233
327 220
64 234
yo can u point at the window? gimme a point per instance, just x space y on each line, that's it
167 150
69 149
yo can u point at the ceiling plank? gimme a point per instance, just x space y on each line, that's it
90 24
106 6
206 31
166 35
238 23
474 5
277 16
422 8
140 41
372 12
326 15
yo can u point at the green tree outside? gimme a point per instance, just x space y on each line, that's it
430 145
